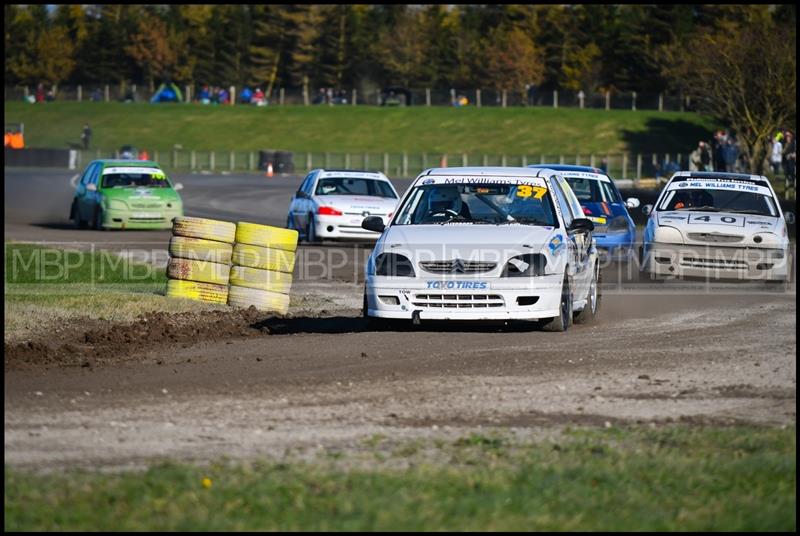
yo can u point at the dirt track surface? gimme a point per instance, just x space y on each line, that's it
308 384
245 384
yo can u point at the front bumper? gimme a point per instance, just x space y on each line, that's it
128 219
342 227
514 298
717 262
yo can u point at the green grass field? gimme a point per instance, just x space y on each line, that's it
670 479
511 131
46 285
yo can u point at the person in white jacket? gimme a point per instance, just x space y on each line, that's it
776 156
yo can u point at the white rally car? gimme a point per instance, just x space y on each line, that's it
485 243
716 225
331 204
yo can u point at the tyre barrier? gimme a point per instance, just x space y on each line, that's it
206 292
260 299
266 236
277 260
221 231
244 276
198 271
262 258
199 249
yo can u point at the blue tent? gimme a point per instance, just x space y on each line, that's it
167 92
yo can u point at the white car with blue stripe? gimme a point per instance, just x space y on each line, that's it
485 243
717 225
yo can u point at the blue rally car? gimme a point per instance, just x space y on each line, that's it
614 230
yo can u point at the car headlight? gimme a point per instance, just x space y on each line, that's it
393 265
528 265
618 225
667 235
116 204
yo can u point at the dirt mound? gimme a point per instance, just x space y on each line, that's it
89 342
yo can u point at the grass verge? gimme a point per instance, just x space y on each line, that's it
319 129
45 286
675 478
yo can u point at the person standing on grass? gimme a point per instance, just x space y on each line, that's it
86 136
776 156
789 159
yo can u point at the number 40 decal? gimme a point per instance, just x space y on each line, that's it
706 218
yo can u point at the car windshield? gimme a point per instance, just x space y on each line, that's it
130 180
593 190
354 186
484 204
718 200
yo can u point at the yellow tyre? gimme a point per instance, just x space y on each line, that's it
242 276
266 236
260 299
198 249
201 271
221 231
192 290
277 260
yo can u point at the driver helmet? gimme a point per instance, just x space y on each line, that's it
444 198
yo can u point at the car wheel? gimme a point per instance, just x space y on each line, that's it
311 231
372 323
589 312
563 320
98 220
75 216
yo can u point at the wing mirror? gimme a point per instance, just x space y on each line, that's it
647 209
789 217
91 187
581 225
373 223
632 202
300 194
178 186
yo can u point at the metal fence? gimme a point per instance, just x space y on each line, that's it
619 166
377 97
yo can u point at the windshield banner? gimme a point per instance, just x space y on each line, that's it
127 170
734 185
530 181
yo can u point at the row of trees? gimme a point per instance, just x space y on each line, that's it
588 47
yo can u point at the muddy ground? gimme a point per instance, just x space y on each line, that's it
244 384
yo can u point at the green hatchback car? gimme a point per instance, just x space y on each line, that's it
125 194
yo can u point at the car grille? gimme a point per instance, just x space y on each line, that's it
458 301
700 262
457 266
145 205
716 238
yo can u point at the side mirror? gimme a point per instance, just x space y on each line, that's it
789 217
581 225
373 223
300 194
178 186
632 202
647 209
91 187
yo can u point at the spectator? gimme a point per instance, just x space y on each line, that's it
604 165
730 154
789 159
215 95
531 94
246 95
700 159
97 95
776 154
720 138
51 96
205 96
259 98
40 93
320 98
223 96
86 136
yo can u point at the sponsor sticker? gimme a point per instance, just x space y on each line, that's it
458 285
556 243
